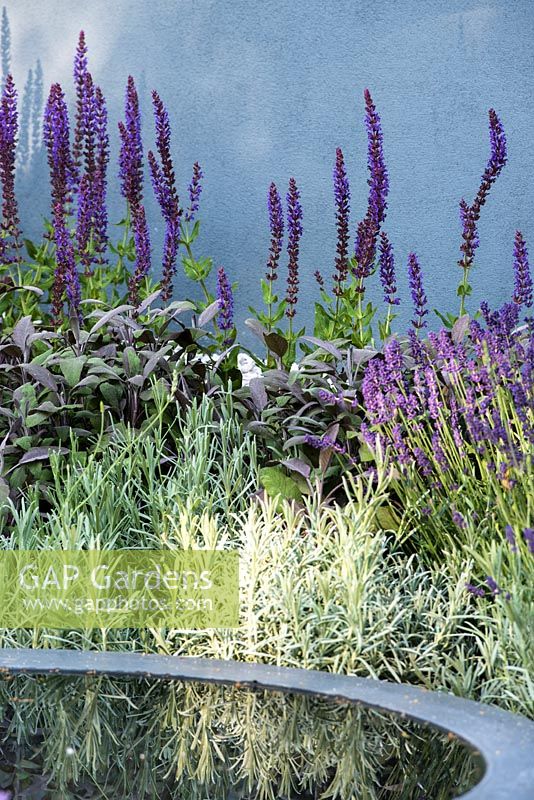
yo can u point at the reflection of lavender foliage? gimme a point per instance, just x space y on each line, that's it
23 154
5 47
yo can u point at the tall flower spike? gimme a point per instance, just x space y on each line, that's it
195 190
142 254
471 214
369 227
342 201
378 180
56 139
8 149
418 292
164 183
387 271
66 273
131 179
131 152
163 144
100 180
294 227
523 278
80 72
225 319
276 225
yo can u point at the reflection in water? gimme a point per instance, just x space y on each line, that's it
158 739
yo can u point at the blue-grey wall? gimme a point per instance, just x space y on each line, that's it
260 91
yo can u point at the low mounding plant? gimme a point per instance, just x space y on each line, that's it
456 415
71 388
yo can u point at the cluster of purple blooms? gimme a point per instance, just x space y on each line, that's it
78 184
447 388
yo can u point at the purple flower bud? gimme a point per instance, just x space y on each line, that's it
510 538
458 519
528 535
493 586
477 591
319 278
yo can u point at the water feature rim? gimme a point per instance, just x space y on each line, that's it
505 741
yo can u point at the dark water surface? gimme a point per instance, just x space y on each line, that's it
262 91
155 739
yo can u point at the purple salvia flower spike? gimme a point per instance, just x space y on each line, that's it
342 202
523 278
471 214
56 139
8 148
387 271
276 225
369 227
294 228
164 184
131 179
66 267
80 72
225 318
100 180
195 190
418 293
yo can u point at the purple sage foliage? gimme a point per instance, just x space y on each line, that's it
164 184
276 225
342 203
294 228
417 290
523 278
225 318
8 148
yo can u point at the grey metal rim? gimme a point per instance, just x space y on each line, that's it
505 741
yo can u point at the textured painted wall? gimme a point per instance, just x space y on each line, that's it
261 91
